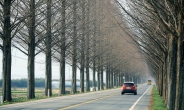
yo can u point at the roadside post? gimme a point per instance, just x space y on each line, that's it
1 99
48 93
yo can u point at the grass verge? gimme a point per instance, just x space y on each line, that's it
156 102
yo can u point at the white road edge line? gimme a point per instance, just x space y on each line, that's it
138 100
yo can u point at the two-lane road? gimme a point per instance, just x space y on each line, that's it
100 100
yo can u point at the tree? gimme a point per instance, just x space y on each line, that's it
74 41
6 48
94 44
48 64
87 46
82 63
31 51
29 38
62 48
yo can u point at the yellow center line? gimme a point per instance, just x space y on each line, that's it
86 102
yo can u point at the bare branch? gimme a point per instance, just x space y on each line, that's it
1 4
19 49
1 47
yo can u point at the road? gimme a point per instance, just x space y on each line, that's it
100 100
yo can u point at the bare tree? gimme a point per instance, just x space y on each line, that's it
87 46
74 55
48 67
82 63
28 39
31 51
62 48
6 48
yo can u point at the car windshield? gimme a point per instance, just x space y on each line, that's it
128 84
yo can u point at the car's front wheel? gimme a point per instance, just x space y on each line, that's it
122 93
135 93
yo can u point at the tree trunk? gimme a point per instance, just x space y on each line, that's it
48 67
98 74
94 65
120 79
107 75
87 67
165 79
82 48
179 80
94 49
101 78
98 78
62 49
94 74
181 86
82 72
168 72
161 81
180 18
129 78
173 49
117 80
74 55
31 52
87 48
112 84
6 78
126 77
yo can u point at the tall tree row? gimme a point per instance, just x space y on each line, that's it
84 34
159 34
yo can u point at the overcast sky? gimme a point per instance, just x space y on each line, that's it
19 67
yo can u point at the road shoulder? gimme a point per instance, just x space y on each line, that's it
144 102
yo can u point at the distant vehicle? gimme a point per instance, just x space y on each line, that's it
149 82
129 87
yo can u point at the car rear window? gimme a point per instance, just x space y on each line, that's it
128 84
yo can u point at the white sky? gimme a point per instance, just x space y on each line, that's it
19 67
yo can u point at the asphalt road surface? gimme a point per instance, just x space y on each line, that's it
100 100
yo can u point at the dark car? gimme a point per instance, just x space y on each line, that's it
129 87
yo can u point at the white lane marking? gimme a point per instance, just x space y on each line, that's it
138 100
